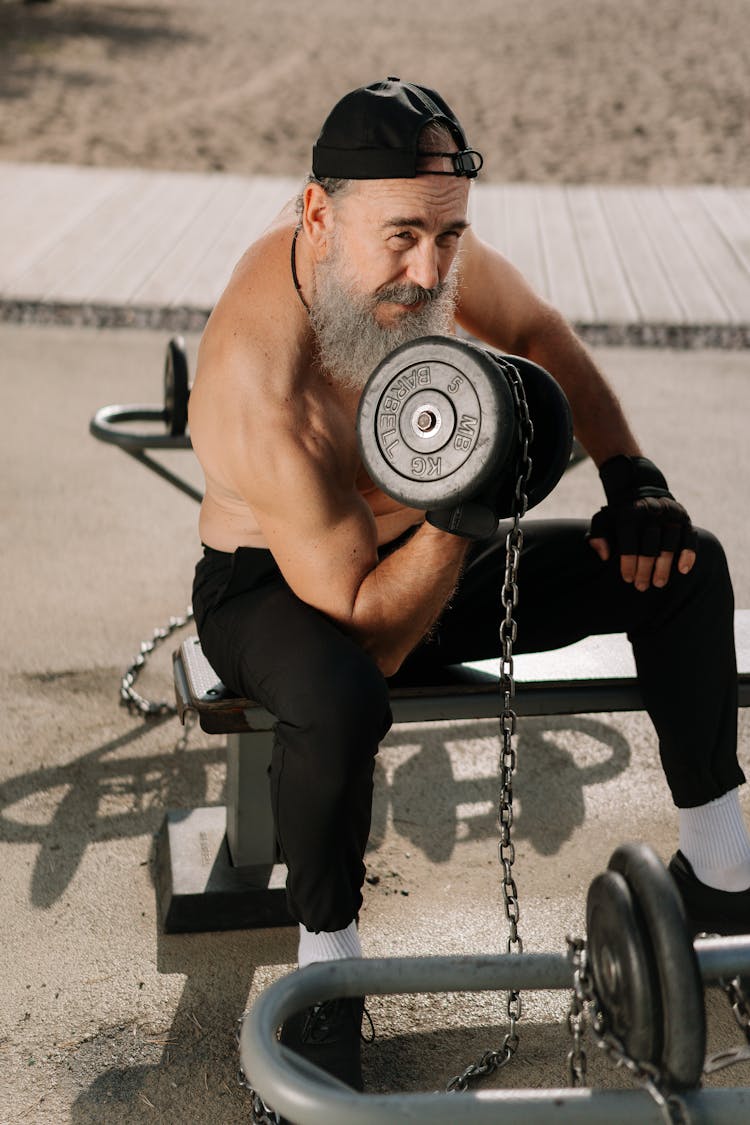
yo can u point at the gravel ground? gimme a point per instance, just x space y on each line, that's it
648 91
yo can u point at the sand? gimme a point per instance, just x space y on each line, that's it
596 91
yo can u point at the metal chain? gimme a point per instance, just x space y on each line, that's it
260 1113
577 1015
738 1002
493 1060
584 998
129 697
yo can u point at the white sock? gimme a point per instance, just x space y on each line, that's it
328 945
714 839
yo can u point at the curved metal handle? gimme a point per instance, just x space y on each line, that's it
310 1096
108 422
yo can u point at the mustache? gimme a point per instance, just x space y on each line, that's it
410 294
350 341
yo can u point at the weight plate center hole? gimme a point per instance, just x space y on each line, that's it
426 420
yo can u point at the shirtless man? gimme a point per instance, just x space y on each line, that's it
315 586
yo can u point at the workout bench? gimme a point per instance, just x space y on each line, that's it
218 867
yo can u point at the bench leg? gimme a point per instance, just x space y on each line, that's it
250 832
216 868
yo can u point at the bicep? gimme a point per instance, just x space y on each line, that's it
318 528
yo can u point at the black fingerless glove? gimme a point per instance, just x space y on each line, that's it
479 516
642 516
472 519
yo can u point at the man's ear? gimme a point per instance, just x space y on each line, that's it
317 218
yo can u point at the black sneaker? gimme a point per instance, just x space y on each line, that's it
329 1035
708 910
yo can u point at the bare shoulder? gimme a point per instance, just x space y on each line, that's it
259 296
260 415
255 331
250 357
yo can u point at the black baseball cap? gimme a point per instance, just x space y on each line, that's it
373 134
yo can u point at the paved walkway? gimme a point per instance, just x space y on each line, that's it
625 264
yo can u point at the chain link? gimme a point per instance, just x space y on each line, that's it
493 1060
577 1059
260 1113
738 1002
129 697
584 1006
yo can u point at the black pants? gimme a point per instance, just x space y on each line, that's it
332 702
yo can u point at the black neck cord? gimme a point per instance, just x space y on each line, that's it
295 278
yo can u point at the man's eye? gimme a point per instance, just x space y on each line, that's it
404 236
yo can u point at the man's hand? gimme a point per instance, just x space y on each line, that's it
474 518
642 523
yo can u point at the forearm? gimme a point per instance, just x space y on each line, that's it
599 422
401 598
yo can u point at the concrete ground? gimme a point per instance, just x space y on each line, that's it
105 1020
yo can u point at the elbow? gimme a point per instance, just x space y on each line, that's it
388 664
381 642
387 659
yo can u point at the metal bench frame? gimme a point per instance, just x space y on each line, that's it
307 1095
218 867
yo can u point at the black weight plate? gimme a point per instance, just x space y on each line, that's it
553 431
681 987
176 389
435 422
623 967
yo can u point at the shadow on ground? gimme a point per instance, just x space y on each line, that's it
125 1075
103 796
118 790
425 796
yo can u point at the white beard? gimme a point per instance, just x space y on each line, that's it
350 341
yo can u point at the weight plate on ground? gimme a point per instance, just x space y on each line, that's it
680 984
435 422
176 389
623 967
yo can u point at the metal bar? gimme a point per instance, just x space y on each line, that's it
165 473
541 699
106 426
723 957
306 1103
294 1089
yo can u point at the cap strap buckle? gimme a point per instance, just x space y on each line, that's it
467 162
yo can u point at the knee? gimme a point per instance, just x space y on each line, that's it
710 558
345 708
708 584
359 703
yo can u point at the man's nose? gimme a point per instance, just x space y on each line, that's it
423 266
